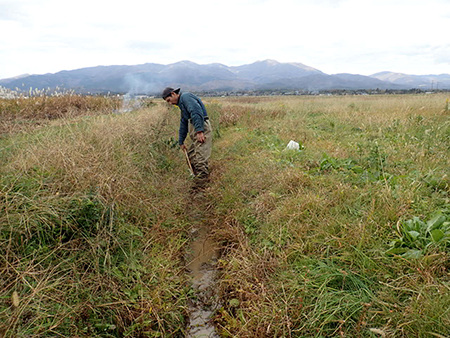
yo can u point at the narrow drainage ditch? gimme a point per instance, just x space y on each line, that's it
201 266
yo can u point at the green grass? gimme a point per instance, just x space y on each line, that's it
92 229
94 222
307 233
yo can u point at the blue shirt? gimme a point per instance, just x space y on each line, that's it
193 109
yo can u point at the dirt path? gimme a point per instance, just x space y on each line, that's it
201 265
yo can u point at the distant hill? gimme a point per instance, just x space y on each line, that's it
151 78
425 82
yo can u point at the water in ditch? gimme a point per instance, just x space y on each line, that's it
201 264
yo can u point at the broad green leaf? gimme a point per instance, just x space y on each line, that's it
413 224
435 222
396 243
418 224
396 251
357 169
413 234
445 226
412 253
437 235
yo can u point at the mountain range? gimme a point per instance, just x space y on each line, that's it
151 78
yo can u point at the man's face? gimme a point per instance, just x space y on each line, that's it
172 98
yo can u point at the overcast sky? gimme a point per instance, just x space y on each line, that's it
334 36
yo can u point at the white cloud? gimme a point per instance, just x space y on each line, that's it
335 36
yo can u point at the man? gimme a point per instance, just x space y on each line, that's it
194 119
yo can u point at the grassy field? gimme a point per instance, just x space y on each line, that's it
347 237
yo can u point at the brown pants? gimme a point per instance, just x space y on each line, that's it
199 153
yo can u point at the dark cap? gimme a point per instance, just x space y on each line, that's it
167 91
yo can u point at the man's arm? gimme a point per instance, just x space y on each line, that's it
183 131
195 112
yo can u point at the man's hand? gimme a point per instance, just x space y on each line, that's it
183 147
200 137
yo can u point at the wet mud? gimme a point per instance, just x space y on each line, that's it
201 266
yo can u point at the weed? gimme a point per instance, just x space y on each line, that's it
417 238
93 221
304 234
82 227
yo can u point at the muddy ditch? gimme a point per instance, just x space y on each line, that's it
201 263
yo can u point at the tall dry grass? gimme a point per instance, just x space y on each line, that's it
89 229
22 113
305 234
94 225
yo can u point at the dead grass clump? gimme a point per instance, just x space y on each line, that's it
92 228
231 114
248 99
102 155
226 116
244 274
52 107
326 217
19 113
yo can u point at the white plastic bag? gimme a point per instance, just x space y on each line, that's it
292 145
